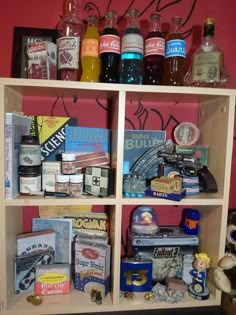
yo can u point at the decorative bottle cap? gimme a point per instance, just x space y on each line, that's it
209 21
155 16
133 12
110 14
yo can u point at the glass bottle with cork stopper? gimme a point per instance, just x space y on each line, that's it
207 66
70 31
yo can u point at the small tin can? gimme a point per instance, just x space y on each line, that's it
68 163
76 185
29 151
62 183
29 179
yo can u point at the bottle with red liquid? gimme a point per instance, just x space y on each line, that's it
154 52
109 50
70 32
175 55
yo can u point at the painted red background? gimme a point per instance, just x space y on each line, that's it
45 14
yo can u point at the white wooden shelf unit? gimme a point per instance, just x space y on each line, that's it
216 121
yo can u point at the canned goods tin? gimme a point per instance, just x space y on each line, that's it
29 151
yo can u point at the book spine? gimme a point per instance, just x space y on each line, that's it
8 156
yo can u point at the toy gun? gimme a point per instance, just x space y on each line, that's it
189 165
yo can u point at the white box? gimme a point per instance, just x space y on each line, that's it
16 125
49 171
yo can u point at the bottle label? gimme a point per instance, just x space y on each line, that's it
109 43
68 52
206 66
154 46
30 155
132 43
89 48
176 48
29 184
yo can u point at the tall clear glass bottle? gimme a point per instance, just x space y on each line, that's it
207 66
70 32
132 51
109 50
175 55
89 51
154 52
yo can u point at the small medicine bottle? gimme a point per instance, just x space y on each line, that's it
68 163
76 185
62 183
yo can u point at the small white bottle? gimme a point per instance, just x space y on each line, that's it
62 183
68 163
76 185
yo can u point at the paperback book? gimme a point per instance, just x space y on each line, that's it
92 223
137 142
92 145
34 241
25 266
63 229
16 125
50 131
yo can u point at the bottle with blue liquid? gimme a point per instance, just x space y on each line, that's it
132 51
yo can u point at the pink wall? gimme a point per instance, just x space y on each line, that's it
45 14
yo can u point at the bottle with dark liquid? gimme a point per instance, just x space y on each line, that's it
70 32
109 50
154 52
175 55
132 51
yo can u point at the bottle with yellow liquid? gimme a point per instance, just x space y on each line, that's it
89 51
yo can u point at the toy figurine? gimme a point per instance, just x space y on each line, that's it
225 273
222 281
198 289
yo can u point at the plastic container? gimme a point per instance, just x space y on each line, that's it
29 179
62 183
30 151
68 163
76 185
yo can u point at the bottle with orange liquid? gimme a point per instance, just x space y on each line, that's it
89 51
